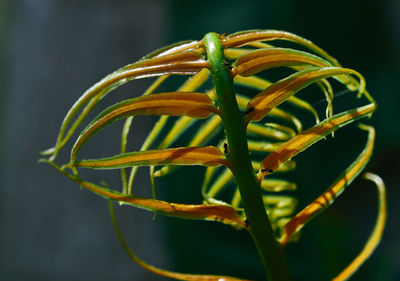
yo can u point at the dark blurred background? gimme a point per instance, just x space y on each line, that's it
52 50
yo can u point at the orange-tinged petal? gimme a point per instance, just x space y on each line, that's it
224 214
276 112
181 125
328 197
167 59
163 272
175 104
255 61
277 93
245 37
261 84
176 48
206 156
191 64
308 137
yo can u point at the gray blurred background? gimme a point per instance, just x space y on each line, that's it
52 50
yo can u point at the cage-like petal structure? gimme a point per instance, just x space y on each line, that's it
274 134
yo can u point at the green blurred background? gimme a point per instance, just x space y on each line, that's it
52 50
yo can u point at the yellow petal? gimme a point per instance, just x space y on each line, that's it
261 146
289 165
376 234
179 127
195 81
277 185
267 132
219 183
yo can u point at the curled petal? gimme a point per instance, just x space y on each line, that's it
258 60
191 84
174 48
277 185
277 93
224 214
163 272
183 123
376 234
176 104
185 56
289 165
308 137
127 127
328 197
261 84
191 63
206 156
245 37
262 146
203 134
289 131
279 206
267 132
276 112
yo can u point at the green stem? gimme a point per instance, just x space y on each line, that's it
259 225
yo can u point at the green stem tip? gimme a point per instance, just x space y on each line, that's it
260 228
